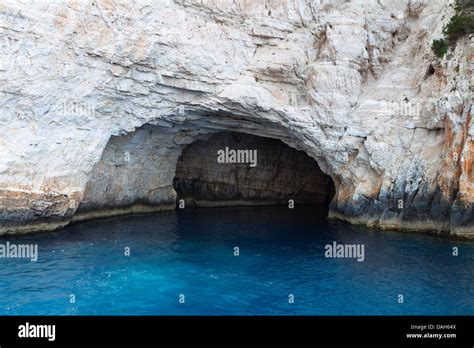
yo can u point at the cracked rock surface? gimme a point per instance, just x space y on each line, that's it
354 84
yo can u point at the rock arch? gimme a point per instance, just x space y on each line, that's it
322 78
137 171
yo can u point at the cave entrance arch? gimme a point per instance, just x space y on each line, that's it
151 168
238 169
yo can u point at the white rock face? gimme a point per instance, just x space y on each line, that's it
352 83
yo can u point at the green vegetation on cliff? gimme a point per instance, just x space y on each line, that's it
460 24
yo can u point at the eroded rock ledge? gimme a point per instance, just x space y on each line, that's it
353 84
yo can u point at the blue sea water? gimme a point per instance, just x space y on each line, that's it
191 252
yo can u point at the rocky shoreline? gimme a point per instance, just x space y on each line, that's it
95 117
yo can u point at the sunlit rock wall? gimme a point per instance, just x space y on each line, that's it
354 84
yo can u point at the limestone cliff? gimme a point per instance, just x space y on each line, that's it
91 89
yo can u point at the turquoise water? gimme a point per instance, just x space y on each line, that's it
192 253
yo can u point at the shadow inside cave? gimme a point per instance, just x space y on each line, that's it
238 169
155 169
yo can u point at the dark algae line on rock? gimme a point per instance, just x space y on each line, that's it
306 160
100 128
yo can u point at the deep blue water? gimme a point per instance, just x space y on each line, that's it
192 253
